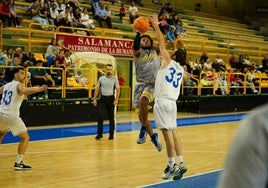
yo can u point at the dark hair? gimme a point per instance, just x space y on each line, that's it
16 70
150 38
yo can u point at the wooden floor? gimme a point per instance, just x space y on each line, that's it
84 162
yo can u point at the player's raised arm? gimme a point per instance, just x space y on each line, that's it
161 41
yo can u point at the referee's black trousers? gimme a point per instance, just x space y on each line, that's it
106 104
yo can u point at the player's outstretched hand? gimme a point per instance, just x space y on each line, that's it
154 21
43 88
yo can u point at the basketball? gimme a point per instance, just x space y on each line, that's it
141 24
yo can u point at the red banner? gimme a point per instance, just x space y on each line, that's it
109 46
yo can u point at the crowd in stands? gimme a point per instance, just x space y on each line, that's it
214 75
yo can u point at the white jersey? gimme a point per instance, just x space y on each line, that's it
168 81
11 100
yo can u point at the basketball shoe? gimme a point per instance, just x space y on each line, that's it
156 141
142 136
182 170
21 166
169 172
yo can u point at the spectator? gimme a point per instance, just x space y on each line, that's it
177 21
34 10
207 66
181 55
40 77
85 20
16 20
52 51
235 85
94 5
102 16
23 57
235 63
249 82
133 12
265 64
45 13
218 64
122 11
197 68
163 24
171 37
204 57
60 63
188 82
2 78
8 75
54 14
207 85
77 19
7 57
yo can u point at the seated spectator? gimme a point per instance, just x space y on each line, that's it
235 85
197 68
77 19
122 11
15 19
181 54
133 12
40 77
7 57
94 5
207 66
24 60
265 64
206 85
60 63
54 14
204 57
171 37
7 12
45 13
34 10
102 16
8 72
188 82
249 81
177 20
221 86
218 64
85 20
163 24
52 50
235 63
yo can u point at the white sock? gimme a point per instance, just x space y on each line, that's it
19 158
171 162
180 159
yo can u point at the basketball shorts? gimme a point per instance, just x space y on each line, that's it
143 90
12 123
165 114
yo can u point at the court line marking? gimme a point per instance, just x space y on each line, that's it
186 177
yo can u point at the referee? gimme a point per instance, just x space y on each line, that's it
107 84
